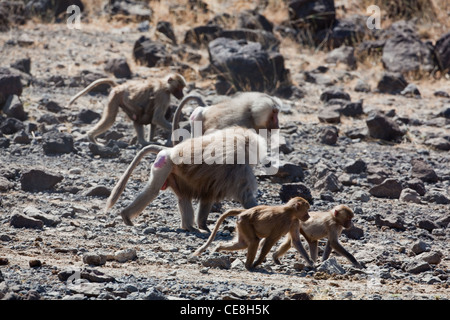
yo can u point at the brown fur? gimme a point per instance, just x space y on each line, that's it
145 102
263 222
327 224
252 110
208 183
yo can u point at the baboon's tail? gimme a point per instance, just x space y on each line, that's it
177 114
120 186
229 213
90 87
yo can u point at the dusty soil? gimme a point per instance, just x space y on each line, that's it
163 263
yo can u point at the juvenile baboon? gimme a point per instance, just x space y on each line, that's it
252 110
193 170
268 222
145 102
327 224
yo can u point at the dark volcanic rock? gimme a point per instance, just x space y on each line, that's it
393 83
11 126
389 188
381 127
119 67
246 66
404 52
23 65
10 84
166 28
391 221
138 10
50 8
14 108
57 142
329 135
334 93
111 150
19 220
150 53
37 180
423 171
88 116
291 190
312 15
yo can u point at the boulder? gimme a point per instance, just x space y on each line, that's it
246 66
150 53
404 52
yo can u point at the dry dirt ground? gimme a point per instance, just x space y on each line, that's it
163 250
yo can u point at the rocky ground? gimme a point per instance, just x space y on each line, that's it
343 141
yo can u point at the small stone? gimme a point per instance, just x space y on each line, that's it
88 116
334 93
420 247
329 116
35 263
53 106
329 183
427 225
57 142
111 150
409 195
432 257
119 67
297 189
411 91
354 233
94 259
331 266
381 127
222 262
154 294
125 255
423 171
97 191
389 188
392 221
329 135
355 166
417 266
19 220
